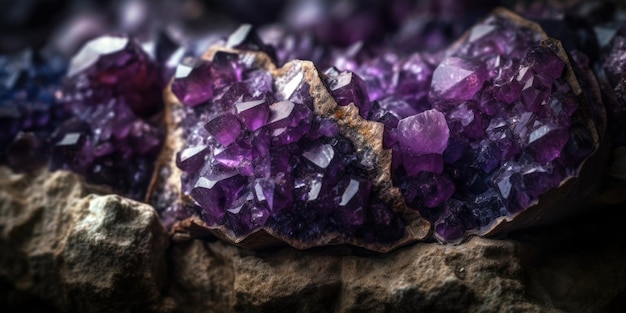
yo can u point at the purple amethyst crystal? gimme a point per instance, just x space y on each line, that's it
113 93
253 114
457 79
424 133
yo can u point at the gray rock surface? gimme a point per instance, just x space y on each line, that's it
64 249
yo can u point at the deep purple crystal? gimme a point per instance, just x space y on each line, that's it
192 82
253 114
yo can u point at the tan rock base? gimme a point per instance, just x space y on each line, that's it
63 249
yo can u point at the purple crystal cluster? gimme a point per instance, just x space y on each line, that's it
484 133
257 156
29 110
113 93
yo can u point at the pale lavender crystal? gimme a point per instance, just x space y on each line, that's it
397 106
321 155
424 133
457 79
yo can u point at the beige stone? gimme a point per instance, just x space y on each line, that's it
75 251
63 249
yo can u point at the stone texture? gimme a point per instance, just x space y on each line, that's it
62 251
65 250
554 269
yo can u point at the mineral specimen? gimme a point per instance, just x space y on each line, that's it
358 153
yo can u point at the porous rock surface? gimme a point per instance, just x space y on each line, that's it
64 250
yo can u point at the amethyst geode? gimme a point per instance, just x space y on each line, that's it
468 138
275 151
496 124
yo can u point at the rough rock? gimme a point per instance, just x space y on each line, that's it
482 275
64 249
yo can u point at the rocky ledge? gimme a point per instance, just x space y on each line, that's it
64 248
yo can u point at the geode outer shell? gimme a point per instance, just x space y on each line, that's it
166 193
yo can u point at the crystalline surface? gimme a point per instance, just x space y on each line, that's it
476 132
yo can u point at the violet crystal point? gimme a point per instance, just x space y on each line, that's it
348 87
